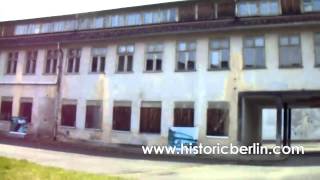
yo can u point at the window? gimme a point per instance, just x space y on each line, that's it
258 8
186 56
47 27
26 108
125 58
58 26
317 48
93 115
219 54
51 61
184 114
98 22
121 116
133 19
150 117
68 113
154 57
290 51
311 5
217 119
31 62
254 52
70 25
73 63
21 29
6 108
12 63
98 60
169 15
117 20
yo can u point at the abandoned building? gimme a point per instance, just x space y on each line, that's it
242 71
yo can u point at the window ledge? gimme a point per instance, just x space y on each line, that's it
217 137
29 74
96 73
121 131
290 67
152 72
67 127
219 69
254 68
49 74
185 71
72 74
126 72
94 129
150 133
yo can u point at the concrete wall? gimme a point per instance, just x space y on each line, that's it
168 86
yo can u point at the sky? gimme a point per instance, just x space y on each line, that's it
26 9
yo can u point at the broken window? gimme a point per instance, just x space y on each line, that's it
125 58
73 60
51 61
311 5
6 108
93 115
317 48
217 119
150 117
26 109
186 56
121 116
12 62
254 52
31 62
219 54
154 57
68 113
290 51
184 114
98 60
258 8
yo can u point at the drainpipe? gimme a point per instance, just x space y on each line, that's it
57 108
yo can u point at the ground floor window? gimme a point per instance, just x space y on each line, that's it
68 113
150 117
26 109
184 114
93 115
6 108
217 119
121 116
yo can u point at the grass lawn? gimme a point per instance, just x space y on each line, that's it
24 170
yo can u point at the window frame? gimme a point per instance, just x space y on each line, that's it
78 55
222 106
69 102
96 103
154 60
99 55
183 106
299 46
121 104
7 100
303 10
315 44
218 49
12 61
244 47
31 61
151 105
188 43
258 6
126 55
53 57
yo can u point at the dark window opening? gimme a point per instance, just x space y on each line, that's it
150 120
93 117
121 118
94 65
121 63
68 115
26 110
183 117
216 122
6 110
149 65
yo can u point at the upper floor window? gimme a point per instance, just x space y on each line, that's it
154 57
290 51
133 19
317 48
73 60
125 58
12 62
51 61
117 20
258 8
98 60
254 52
219 54
31 62
311 5
186 54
